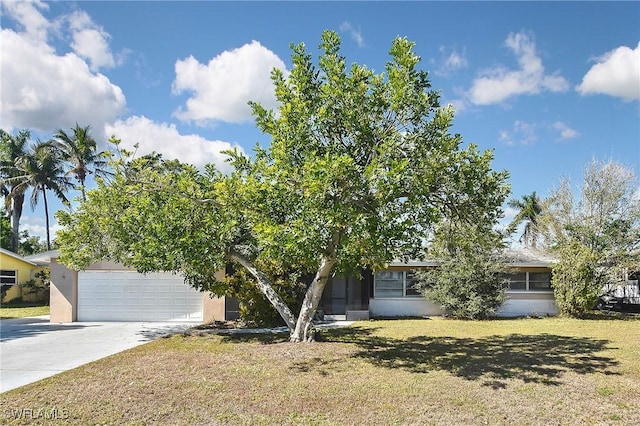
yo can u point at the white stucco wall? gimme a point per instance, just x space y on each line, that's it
527 303
402 307
517 304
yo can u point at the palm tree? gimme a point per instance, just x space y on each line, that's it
529 211
42 169
80 149
12 147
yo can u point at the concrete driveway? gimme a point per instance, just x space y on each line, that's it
33 348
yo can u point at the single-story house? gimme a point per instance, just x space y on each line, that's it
15 271
390 293
110 292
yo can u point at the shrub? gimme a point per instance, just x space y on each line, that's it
467 286
576 282
254 308
468 282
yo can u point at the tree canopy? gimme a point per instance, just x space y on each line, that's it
43 165
359 168
595 231
11 148
529 208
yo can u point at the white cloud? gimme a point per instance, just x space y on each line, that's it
90 41
499 84
522 133
221 89
456 61
566 132
165 139
356 34
510 213
36 225
451 60
616 73
45 91
42 90
27 15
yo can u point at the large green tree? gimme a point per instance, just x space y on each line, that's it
595 231
359 168
11 148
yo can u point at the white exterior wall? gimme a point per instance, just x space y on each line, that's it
528 303
403 307
517 304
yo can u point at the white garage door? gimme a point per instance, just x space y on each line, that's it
130 296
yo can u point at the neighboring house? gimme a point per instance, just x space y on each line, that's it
15 271
111 292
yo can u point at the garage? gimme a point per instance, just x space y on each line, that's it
111 295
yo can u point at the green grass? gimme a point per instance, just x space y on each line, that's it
437 371
22 310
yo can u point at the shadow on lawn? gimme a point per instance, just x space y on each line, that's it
541 358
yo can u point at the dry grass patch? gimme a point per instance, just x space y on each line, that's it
548 371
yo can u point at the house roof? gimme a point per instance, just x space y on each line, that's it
16 256
517 257
524 257
43 258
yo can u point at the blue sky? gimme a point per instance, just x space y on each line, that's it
547 85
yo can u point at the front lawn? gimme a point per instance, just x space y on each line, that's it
437 371
22 310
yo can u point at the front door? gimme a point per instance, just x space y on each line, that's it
338 296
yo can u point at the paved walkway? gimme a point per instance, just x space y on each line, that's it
32 349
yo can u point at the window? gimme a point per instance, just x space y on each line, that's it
389 284
410 284
8 277
539 281
528 281
395 284
516 281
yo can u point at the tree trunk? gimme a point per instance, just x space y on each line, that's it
82 177
267 289
304 326
46 216
17 201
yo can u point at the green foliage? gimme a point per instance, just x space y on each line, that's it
12 147
467 283
152 215
595 235
5 230
44 166
364 157
80 151
529 210
576 280
37 285
4 288
358 170
254 307
31 244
